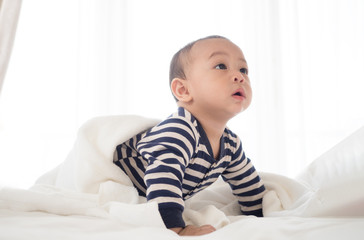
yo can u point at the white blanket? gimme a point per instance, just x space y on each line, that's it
87 183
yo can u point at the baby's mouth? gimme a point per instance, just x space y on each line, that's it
239 93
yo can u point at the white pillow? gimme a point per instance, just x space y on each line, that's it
337 178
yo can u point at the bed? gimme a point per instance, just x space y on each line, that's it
87 197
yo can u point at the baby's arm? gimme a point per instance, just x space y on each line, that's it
168 148
245 183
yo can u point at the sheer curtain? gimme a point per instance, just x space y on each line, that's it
74 60
9 13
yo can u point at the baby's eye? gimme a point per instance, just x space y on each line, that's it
221 66
244 71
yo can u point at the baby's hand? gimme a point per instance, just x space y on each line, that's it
191 230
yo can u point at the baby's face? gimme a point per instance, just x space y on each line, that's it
217 74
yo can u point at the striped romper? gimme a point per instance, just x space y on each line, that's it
172 161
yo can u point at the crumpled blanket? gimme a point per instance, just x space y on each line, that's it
89 183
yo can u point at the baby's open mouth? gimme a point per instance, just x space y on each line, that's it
239 93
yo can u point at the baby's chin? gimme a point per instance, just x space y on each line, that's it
238 112
244 108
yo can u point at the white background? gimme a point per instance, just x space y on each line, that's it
74 60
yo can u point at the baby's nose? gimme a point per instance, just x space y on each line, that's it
239 77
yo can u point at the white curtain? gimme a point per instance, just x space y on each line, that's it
74 60
9 13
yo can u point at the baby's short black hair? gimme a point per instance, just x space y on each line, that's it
179 60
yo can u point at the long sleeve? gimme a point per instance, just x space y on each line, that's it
245 183
168 148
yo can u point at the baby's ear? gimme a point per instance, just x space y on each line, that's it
180 90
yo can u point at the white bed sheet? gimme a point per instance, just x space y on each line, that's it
87 197
39 225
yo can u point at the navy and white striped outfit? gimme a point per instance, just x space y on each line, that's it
172 161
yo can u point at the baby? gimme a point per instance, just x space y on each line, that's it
188 151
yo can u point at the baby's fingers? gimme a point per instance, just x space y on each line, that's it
197 231
207 228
